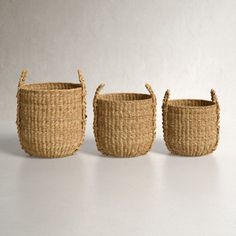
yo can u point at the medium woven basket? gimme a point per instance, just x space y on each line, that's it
191 127
124 123
51 117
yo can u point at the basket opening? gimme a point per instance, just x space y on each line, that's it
123 97
190 103
50 86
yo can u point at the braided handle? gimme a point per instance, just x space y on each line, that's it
97 92
82 82
164 117
84 92
154 103
215 100
214 97
149 88
22 79
99 88
166 97
21 82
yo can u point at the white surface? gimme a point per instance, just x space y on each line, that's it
89 194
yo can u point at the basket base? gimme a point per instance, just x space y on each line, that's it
124 155
191 155
51 154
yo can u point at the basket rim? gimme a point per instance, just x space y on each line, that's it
102 97
25 87
209 105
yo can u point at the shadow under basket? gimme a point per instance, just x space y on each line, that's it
51 117
191 126
124 123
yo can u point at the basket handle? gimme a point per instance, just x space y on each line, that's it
166 97
21 82
81 79
22 79
154 103
164 117
84 115
214 97
97 92
215 100
149 88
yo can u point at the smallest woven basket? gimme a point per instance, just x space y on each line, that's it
124 123
191 126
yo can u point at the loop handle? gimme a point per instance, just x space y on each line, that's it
95 128
154 103
214 97
99 88
81 79
21 82
166 97
84 115
97 92
149 88
215 100
164 117
22 79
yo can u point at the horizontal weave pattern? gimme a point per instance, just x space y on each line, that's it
51 118
191 127
124 123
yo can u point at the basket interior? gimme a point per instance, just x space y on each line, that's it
190 103
50 86
123 97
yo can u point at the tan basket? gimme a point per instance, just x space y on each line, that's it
124 123
191 127
51 117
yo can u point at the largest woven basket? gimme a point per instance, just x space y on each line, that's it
190 126
51 117
124 123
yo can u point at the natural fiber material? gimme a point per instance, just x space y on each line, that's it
124 123
191 127
51 117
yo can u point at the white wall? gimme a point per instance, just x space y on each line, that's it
188 46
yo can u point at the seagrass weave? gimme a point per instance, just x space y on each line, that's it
51 117
124 123
191 126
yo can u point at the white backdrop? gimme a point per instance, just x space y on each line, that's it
188 46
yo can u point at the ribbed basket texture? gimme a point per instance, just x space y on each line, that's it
191 126
124 123
51 117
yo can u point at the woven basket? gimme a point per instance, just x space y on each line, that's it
51 117
191 127
124 123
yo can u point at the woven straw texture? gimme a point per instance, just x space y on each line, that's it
124 123
191 127
51 117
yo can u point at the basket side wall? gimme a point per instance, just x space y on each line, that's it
50 124
191 132
124 129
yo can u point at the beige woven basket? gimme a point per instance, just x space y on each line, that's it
51 117
191 127
124 123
